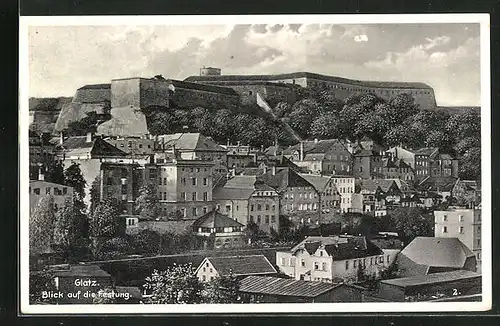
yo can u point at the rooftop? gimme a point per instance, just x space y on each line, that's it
381 84
242 265
191 142
432 278
284 287
214 219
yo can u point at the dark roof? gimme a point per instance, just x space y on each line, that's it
381 84
83 271
191 141
373 184
214 219
438 183
284 178
366 152
319 182
242 265
437 252
96 86
284 287
315 147
78 145
340 247
432 278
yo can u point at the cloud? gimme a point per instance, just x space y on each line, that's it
65 58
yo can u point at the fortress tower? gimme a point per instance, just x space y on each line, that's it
210 71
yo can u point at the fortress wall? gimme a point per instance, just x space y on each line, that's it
154 92
125 92
92 95
191 98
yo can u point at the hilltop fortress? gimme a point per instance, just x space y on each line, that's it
213 90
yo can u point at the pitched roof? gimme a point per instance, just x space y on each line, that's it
214 219
125 121
83 271
372 184
340 247
315 147
231 193
319 182
284 178
191 142
438 252
366 152
241 181
284 287
433 278
438 183
242 265
382 84
78 145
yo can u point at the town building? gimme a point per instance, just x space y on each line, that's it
379 193
41 153
219 231
268 289
350 201
39 189
237 266
240 156
467 192
430 287
428 255
133 145
328 193
299 200
442 186
121 181
329 156
184 186
247 199
392 168
333 259
463 224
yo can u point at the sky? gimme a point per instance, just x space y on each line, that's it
444 56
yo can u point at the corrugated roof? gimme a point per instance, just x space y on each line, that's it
125 121
214 219
83 271
378 84
432 278
437 252
284 287
242 265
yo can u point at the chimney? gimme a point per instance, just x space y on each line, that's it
61 138
41 175
301 158
89 137
274 170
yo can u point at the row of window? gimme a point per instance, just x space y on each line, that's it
266 219
461 229
193 169
356 263
192 182
194 196
260 206
50 191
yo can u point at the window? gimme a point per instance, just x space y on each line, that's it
381 259
195 211
205 181
283 262
193 181
267 207
183 181
47 191
461 230
204 277
273 219
321 253
194 196
346 265
109 181
259 207
292 262
183 196
205 196
445 229
228 208
258 219
316 266
303 263
355 264
388 258
461 218
36 191
445 217
204 210
251 207
65 191
323 266
267 219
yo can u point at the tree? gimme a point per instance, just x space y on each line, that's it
302 115
95 193
222 125
70 231
41 226
282 109
160 122
470 164
83 126
147 242
55 173
105 223
40 281
326 126
178 284
412 222
146 204
73 178
113 248
221 289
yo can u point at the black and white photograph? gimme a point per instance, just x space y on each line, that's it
245 164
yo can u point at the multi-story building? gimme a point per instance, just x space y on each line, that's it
467 192
184 186
122 182
41 188
329 156
427 162
195 146
41 153
396 169
299 200
240 156
328 192
219 231
333 259
133 145
346 187
247 199
464 224
378 193
367 164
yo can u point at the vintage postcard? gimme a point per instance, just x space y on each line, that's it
255 164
